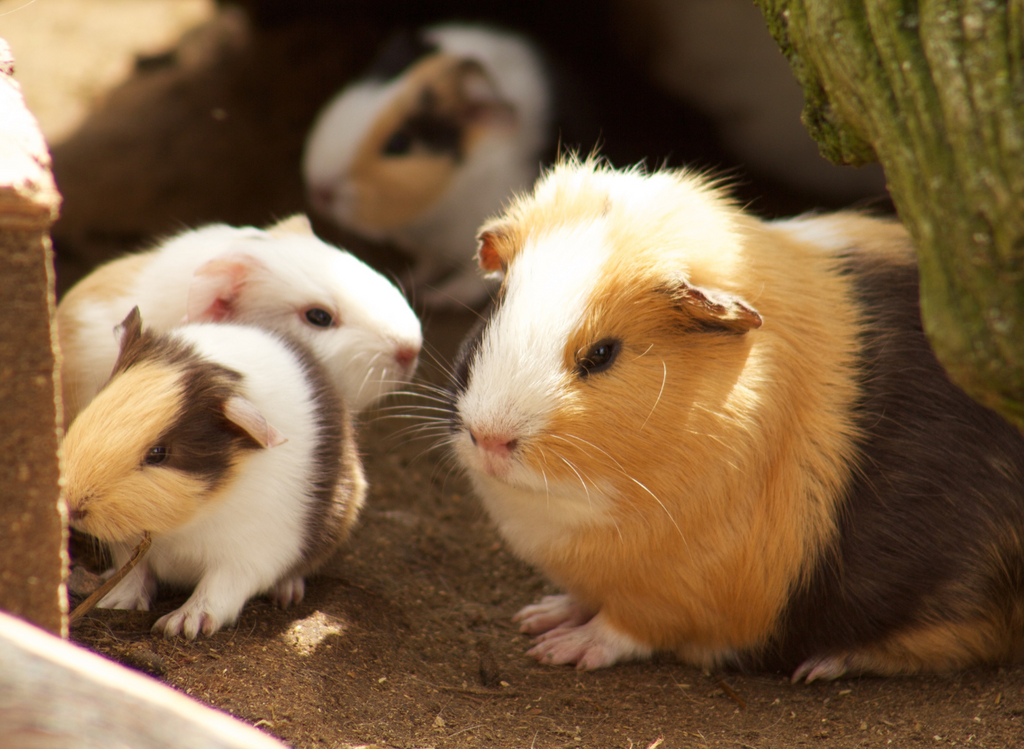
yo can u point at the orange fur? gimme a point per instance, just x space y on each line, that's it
394 191
116 495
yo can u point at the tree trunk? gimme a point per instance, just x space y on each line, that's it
935 92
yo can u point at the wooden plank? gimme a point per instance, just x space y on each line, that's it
54 694
33 528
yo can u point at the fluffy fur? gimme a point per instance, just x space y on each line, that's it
706 428
271 278
232 448
422 154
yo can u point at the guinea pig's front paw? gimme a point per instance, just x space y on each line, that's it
552 612
194 617
288 592
595 644
829 668
135 591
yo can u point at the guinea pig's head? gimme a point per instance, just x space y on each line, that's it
617 340
160 441
358 324
384 152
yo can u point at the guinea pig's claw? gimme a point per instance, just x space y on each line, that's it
288 592
828 668
551 612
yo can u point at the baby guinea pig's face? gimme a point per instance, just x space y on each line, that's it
143 456
382 155
356 322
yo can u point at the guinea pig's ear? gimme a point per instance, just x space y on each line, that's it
492 251
297 224
215 287
482 102
243 414
130 329
716 310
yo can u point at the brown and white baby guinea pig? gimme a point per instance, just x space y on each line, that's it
446 125
729 438
230 445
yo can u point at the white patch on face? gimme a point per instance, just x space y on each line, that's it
518 378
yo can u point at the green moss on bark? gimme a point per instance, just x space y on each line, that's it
935 92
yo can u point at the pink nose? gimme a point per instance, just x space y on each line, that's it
406 356
322 198
498 445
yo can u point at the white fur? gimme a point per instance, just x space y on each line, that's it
298 272
516 382
246 541
444 234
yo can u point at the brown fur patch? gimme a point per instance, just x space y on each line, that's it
393 190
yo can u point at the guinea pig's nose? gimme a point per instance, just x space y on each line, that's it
406 356
499 445
321 197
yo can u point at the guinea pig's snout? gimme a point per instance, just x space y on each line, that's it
406 357
76 514
500 446
321 197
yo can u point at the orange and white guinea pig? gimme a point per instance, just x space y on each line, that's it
230 445
355 320
729 438
439 133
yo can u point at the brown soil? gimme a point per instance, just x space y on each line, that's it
405 640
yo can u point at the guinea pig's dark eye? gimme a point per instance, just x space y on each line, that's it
599 357
399 144
320 318
156 455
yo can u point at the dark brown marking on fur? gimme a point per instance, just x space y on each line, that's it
330 486
201 440
930 528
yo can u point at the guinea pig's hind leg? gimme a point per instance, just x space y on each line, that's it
216 601
596 644
288 592
552 612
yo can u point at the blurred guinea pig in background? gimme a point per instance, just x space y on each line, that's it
729 438
230 445
355 320
443 128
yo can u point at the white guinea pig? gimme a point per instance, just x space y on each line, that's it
730 439
355 320
230 445
431 142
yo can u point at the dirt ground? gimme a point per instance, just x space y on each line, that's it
406 638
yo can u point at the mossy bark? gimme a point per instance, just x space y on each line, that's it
935 92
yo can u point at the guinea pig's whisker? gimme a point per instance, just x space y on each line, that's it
664 377
628 476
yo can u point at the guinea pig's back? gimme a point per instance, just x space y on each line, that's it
928 554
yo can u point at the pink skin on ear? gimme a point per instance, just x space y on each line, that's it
245 415
215 287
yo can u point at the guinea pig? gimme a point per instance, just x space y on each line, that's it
444 127
282 279
231 446
729 438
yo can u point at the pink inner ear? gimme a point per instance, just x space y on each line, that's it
487 256
244 414
215 287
